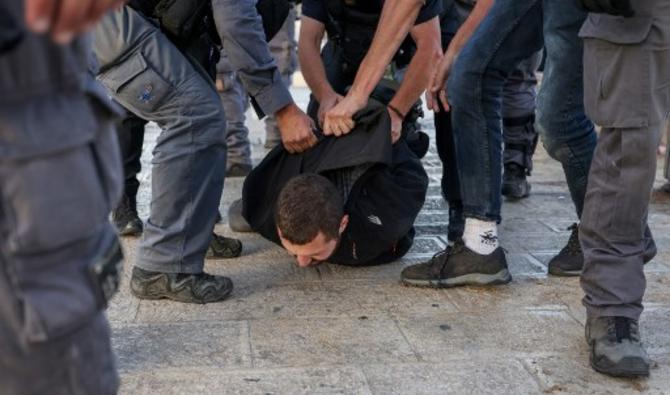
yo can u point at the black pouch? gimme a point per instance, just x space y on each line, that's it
105 270
11 32
180 18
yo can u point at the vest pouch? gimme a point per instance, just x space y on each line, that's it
180 18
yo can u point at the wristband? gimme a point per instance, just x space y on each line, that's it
395 110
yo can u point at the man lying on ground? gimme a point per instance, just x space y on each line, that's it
350 200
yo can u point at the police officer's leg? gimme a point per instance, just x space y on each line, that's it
53 227
130 131
158 83
283 48
235 103
519 132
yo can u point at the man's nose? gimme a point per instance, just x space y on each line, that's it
303 261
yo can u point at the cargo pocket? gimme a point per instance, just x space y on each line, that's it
135 85
617 71
57 210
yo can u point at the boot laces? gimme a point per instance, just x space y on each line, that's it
622 328
573 247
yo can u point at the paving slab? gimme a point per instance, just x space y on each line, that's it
307 381
211 345
464 376
303 342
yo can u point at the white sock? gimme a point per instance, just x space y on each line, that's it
480 236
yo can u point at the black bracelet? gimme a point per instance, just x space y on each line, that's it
395 110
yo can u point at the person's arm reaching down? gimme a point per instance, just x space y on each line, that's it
398 17
438 82
312 67
242 35
428 52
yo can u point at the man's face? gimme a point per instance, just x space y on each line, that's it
317 250
312 253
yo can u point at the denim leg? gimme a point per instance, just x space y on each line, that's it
511 32
567 133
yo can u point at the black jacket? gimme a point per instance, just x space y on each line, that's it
382 205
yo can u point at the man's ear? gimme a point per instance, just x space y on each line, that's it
343 223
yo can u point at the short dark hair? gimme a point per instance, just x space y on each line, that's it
309 204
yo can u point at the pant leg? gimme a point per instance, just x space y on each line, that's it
510 33
627 92
53 216
614 233
518 113
235 104
567 133
130 131
284 49
156 82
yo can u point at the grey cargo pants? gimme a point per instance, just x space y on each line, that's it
627 92
284 49
149 76
235 103
53 215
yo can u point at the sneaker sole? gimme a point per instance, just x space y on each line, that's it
502 277
628 367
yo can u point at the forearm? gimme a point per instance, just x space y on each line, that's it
398 17
420 69
241 31
313 69
468 28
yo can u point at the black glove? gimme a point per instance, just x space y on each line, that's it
612 7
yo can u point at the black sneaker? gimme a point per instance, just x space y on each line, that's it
223 247
459 265
238 170
570 259
515 185
615 347
125 218
181 287
236 220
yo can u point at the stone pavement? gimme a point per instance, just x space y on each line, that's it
339 330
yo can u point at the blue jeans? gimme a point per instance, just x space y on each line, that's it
512 31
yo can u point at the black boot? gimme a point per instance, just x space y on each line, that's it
515 185
125 218
181 287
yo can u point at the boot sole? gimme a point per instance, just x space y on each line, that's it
514 194
628 367
159 294
502 277
564 273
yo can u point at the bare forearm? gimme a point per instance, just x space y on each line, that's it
468 28
421 68
397 19
314 71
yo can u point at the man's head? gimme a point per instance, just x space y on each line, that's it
310 218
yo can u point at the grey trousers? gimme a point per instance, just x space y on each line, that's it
235 103
627 91
519 101
149 76
53 215
284 49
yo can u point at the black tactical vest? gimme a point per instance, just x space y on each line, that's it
353 31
